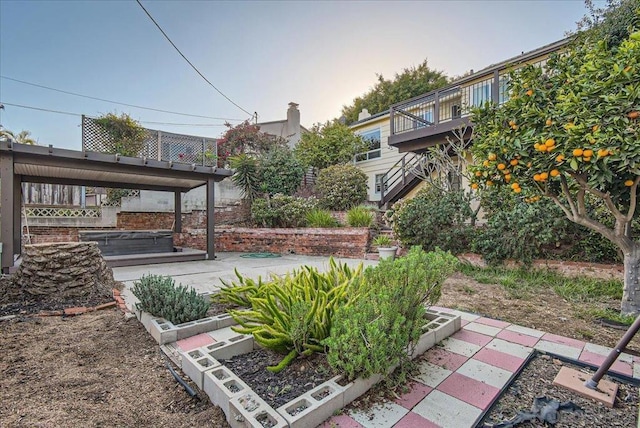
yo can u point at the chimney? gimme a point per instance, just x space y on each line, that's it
363 114
293 124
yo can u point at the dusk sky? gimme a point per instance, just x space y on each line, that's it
262 55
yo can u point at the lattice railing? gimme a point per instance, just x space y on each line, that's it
130 193
60 212
160 145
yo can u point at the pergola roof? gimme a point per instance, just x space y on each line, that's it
39 164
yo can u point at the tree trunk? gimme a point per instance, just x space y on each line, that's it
631 292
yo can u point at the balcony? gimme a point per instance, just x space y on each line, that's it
426 120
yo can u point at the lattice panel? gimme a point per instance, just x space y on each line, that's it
158 145
52 212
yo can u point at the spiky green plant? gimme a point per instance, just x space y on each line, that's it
360 217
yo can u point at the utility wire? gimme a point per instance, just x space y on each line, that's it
189 62
114 102
80 115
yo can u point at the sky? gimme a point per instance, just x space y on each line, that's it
260 54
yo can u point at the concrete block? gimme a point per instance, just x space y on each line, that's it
192 328
313 407
163 331
357 387
195 363
173 352
225 320
220 384
145 319
250 411
236 345
427 341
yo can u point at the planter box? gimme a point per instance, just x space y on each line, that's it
313 407
164 331
250 411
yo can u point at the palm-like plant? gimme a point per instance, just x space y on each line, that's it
246 175
22 137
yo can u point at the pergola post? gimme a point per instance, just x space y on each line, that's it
177 202
17 214
7 211
210 223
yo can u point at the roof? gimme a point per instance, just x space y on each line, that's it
40 164
372 117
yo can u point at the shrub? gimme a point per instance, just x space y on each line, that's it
360 217
382 241
321 218
160 297
293 314
434 218
341 187
281 211
377 329
239 293
280 171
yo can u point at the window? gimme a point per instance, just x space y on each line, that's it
426 115
379 179
480 92
503 84
373 138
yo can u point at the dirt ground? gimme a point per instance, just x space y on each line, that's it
100 370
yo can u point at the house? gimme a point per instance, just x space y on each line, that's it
412 126
289 128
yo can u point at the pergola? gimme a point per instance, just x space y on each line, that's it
20 163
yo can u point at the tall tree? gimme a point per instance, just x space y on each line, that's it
329 144
246 138
410 83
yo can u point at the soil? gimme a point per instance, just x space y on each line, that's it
277 389
100 370
94 370
536 380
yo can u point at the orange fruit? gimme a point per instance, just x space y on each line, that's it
514 162
492 156
529 165
536 177
515 186
569 126
543 176
587 153
478 173
554 173
530 92
633 115
485 163
474 186
517 190
542 147
586 158
511 123
602 153
548 122
489 183
560 158
501 166
577 152
507 178
514 127
550 142
628 183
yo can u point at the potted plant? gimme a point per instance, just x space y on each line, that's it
385 247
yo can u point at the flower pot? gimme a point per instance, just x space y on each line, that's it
387 252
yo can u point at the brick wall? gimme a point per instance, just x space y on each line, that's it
48 234
342 242
197 219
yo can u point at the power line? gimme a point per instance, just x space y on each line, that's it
114 102
189 62
80 115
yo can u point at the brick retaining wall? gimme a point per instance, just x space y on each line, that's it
342 242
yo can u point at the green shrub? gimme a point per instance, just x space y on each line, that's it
159 296
239 293
245 175
360 217
382 241
280 171
293 314
282 211
341 187
321 218
434 219
379 326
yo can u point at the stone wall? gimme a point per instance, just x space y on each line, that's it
47 234
342 242
72 269
196 219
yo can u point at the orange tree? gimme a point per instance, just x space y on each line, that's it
570 129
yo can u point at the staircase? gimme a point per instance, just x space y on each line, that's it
399 180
